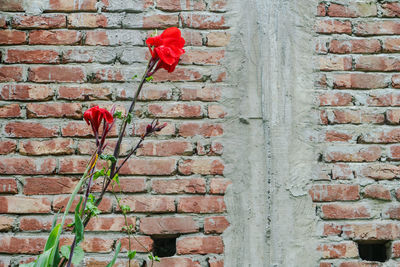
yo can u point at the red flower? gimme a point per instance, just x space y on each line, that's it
167 47
95 115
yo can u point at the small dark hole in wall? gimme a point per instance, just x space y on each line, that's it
374 250
164 246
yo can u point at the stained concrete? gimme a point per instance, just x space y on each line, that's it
268 155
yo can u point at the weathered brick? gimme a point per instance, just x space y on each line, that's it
47 147
86 92
158 21
363 46
54 37
201 166
151 204
165 148
71 5
216 111
333 63
175 110
339 192
31 56
333 26
391 45
203 57
11 73
146 244
335 99
344 116
345 211
7 146
12 37
179 74
353 154
47 21
353 10
342 171
11 5
360 80
175 261
27 244
25 92
87 20
200 245
49 186
10 111
380 171
60 203
202 204
370 231
177 5
106 224
381 136
219 185
30 129
6 224
56 74
214 262
205 129
139 128
166 166
206 93
339 250
377 192
8 186
393 116
338 136
115 37
54 110
179 186
24 205
377 63
203 21
379 27
384 99
26 165
168 225
390 9
215 225
392 212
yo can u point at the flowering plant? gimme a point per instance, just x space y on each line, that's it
166 50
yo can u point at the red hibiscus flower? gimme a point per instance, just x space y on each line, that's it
166 48
94 116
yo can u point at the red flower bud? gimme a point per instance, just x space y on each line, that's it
94 117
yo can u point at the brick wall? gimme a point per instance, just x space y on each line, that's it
357 191
77 54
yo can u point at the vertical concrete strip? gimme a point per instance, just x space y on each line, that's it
269 158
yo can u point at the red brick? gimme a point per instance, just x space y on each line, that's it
216 148
339 192
179 186
31 56
335 99
97 38
87 92
152 93
396 81
73 165
8 186
383 100
219 185
80 129
333 26
192 38
364 46
218 39
215 262
332 229
175 110
377 192
201 166
39 22
30 129
353 154
11 5
27 245
87 20
380 171
381 27
109 74
149 167
391 45
179 74
165 148
3 24
396 249
146 244
345 211
337 136
71 5
207 93
175 261
24 205
353 10
355 117
55 37
360 80
56 74
394 153
391 9
393 116
339 250
205 129
26 92
335 63
25 165
160 21
381 136
54 110
200 245
216 112
151 204
106 224
12 37
6 224
10 111
371 231
202 204
215 225
203 57
168 225
11 73
342 171
177 5
49 186
128 185
392 212
60 202
97 244
40 223
203 21
7 147
377 63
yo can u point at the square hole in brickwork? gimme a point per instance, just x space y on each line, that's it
374 250
164 246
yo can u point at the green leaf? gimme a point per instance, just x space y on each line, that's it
51 241
116 179
44 259
31 264
78 256
129 118
156 258
134 76
91 208
78 223
98 174
125 209
117 249
118 114
55 220
131 254
151 257
149 79
108 157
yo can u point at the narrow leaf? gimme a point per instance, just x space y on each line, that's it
78 256
117 249
78 224
51 241
55 220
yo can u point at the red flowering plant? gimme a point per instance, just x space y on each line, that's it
166 50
